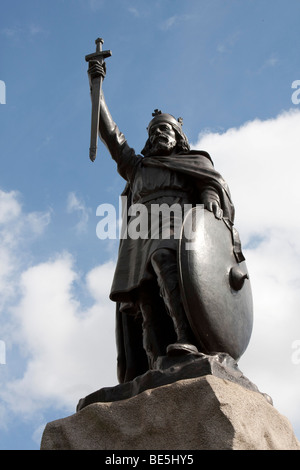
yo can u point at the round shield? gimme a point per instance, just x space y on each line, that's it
215 288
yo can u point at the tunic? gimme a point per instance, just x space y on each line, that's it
152 187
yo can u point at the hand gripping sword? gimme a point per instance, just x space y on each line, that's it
96 91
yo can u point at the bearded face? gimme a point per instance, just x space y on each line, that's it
162 139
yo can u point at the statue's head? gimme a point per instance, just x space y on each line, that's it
165 135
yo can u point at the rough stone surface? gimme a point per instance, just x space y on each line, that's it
194 414
169 370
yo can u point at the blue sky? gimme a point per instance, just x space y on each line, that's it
227 68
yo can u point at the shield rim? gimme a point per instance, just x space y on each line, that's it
235 352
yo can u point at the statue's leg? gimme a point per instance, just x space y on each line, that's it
164 262
152 341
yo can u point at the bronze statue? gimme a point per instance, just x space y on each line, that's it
172 301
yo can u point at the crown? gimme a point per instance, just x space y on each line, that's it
158 117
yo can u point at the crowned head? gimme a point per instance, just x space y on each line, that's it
165 135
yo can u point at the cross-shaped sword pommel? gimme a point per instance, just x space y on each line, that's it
99 55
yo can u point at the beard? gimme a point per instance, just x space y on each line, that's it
162 146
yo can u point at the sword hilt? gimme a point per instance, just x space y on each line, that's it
99 54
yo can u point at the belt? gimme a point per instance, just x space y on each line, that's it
164 193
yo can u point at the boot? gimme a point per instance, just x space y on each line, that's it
165 266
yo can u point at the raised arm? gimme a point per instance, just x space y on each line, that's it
109 132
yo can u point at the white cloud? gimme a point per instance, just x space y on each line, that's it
260 162
67 346
17 228
63 347
77 206
169 22
174 20
270 62
16 31
228 43
134 11
94 5
9 206
35 29
12 32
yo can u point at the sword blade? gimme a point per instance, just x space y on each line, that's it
96 90
96 93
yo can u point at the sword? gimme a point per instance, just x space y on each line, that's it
96 91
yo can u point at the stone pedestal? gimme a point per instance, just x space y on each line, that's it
204 413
